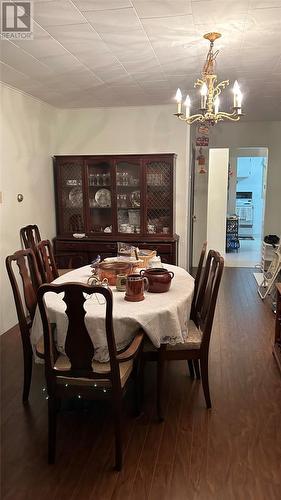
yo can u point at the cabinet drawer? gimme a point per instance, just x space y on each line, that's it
66 246
161 247
84 245
102 247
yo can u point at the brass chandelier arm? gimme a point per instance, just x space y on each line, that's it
198 83
211 117
229 116
191 119
220 86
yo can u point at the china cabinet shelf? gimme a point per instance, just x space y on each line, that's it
143 183
136 186
100 208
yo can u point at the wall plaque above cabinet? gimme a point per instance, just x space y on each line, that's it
114 197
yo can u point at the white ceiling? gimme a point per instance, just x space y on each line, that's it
93 53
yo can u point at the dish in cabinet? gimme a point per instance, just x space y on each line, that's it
135 199
76 197
103 198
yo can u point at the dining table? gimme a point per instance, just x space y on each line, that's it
162 316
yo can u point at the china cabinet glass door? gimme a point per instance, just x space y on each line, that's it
100 196
159 204
71 197
128 196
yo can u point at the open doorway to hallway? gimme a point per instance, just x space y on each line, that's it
246 203
238 191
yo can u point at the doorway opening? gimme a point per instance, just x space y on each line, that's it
246 204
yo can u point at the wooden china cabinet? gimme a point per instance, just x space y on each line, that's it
128 198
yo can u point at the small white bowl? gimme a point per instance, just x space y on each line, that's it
79 236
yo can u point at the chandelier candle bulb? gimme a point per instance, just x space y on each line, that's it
236 91
216 105
179 99
239 100
187 104
204 93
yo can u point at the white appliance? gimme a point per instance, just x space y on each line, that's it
245 212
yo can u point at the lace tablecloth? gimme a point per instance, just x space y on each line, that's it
163 316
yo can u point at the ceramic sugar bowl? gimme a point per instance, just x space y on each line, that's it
159 279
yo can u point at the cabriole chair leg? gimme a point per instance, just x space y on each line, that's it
191 368
27 361
197 368
205 381
52 429
118 440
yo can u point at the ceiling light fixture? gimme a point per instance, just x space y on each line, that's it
210 91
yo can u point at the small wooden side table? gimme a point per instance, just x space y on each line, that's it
277 341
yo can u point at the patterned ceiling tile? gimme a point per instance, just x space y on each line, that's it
57 13
148 8
137 52
113 21
86 5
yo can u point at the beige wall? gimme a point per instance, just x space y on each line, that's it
149 129
27 127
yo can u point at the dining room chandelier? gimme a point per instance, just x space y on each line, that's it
210 91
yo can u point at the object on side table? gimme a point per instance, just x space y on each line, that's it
232 240
271 275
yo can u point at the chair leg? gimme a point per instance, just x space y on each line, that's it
205 380
141 381
139 376
160 380
117 408
197 368
27 364
118 443
191 368
52 429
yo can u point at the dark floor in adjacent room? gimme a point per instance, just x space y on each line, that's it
230 452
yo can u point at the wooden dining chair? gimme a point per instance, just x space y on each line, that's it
77 373
31 280
150 353
194 364
64 262
196 346
198 277
47 261
30 236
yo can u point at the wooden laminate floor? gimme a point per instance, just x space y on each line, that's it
230 452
